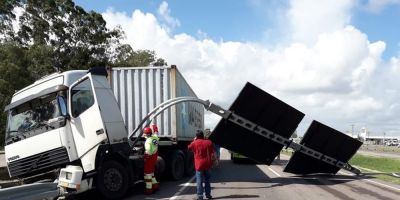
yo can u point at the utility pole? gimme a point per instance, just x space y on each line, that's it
384 135
352 130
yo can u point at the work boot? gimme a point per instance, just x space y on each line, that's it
156 186
148 191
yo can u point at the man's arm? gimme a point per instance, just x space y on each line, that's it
191 146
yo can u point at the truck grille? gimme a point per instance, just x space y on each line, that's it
39 162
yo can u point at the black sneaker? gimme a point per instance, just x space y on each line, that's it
209 197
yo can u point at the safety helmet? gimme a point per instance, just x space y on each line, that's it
147 131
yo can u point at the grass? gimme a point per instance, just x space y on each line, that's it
373 163
378 164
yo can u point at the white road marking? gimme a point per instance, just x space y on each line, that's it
381 184
366 169
176 195
374 182
273 171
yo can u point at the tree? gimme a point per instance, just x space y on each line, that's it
6 18
14 75
79 38
140 58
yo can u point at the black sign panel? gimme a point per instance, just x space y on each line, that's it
328 141
266 111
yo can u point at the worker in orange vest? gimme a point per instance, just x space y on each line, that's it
150 158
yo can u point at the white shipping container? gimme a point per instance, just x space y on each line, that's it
140 89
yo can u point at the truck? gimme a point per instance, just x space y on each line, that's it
80 127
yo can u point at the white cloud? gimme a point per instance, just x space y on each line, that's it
165 14
309 18
331 72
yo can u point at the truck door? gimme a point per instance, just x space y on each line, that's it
86 122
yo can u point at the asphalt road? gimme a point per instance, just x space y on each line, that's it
250 181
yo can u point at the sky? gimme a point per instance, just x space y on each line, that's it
338 61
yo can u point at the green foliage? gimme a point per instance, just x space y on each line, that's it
14 75
6 17
79 39
376 163
380 164
127 57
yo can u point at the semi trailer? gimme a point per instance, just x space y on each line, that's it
83 127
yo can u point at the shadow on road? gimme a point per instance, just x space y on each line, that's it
250 172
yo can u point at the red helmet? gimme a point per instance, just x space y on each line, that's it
147 131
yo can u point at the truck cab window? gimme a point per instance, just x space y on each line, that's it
82 97
31 118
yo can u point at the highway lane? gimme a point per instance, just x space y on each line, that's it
250 181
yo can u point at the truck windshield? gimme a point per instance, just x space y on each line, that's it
31 118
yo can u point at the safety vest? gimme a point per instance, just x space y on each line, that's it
151 144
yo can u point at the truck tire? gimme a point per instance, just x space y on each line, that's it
177 165
160 167
112 180
189 163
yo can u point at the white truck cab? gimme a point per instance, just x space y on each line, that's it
70 121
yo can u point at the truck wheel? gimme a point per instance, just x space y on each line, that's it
189 163
160 167
112 180
177 166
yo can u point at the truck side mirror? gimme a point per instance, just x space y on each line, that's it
58 121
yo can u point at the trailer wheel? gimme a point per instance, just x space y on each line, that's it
189 163
177 166
112 180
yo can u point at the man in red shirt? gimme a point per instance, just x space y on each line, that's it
203 150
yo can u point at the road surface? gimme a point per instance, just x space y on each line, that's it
250 181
